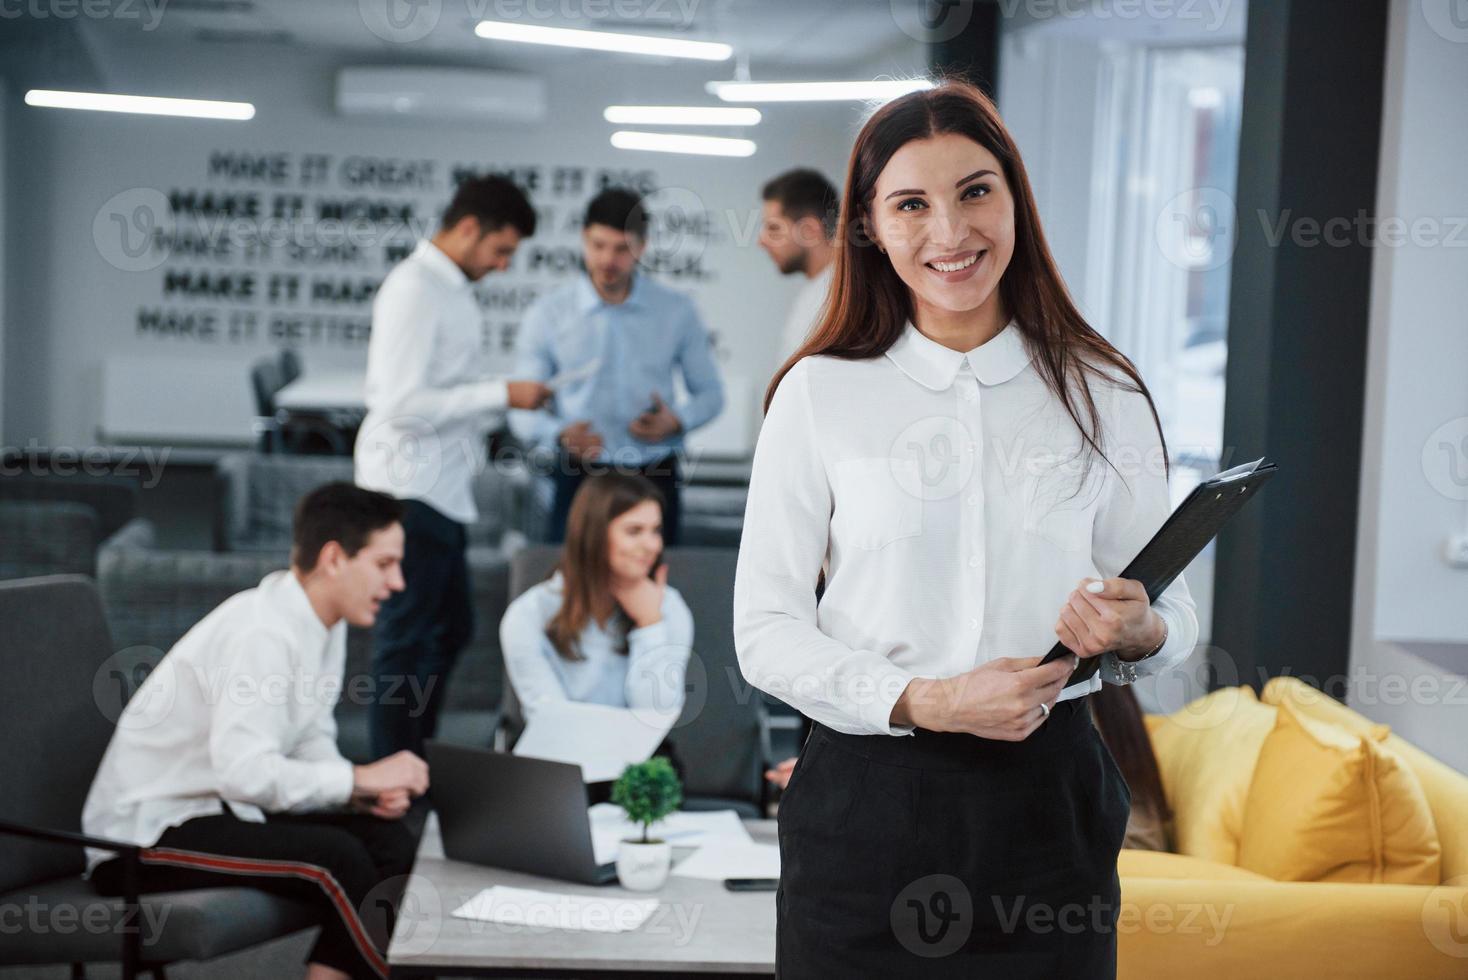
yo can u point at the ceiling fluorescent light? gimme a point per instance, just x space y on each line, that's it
678 115
146 105
498 30
717 146
816 91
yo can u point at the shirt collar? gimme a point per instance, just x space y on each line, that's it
440 264
934 366
289 598
588 299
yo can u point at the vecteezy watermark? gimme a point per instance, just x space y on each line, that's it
1445 916
34 916
1447 18
406 21
932 21
933 916
149 12
1209 14
1195 228
34 459
1198 229
400 21
1445 459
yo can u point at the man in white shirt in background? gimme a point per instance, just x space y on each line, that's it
430 407
224 765
797 230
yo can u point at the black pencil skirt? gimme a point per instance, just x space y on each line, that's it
948 855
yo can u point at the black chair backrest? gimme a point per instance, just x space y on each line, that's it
717 738
265 381
58 705
290 365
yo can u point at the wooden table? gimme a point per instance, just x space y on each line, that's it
700 929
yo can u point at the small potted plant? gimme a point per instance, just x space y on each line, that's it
648 792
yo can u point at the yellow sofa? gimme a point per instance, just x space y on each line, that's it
1204 918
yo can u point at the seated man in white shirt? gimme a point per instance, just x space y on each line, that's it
224 765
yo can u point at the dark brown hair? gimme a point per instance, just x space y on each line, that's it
805 193
585 572
342 513
870 305
1119 720
494 202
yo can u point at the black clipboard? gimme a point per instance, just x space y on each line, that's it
1185 533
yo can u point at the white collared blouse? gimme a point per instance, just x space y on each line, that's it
946 497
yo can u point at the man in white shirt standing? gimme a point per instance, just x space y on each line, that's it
224 765
797 230
430 408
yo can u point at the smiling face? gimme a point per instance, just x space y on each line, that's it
943 213
634 541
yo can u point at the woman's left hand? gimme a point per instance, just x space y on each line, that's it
1117 618
642 601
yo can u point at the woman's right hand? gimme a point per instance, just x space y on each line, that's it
999 700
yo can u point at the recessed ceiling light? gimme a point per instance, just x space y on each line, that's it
668 47
146 105
816 91
718 146
679 115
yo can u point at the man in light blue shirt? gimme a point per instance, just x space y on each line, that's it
617 337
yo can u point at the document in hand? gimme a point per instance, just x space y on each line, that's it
1185 533
601 740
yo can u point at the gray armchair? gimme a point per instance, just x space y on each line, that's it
42 538
55 727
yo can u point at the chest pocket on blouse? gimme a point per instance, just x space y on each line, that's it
1061 501
873 506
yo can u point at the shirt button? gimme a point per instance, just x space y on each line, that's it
973 500
973 562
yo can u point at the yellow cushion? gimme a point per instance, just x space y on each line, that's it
1445 787
1326 804
1206 753
1162 864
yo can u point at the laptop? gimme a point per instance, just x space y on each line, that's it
514 812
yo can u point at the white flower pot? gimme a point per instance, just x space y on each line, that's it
644 867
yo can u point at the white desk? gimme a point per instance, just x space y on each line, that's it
324 391
700 929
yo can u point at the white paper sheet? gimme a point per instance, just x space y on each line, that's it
727 858
572 375
538 909
601 740
610 826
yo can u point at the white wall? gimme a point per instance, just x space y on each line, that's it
1411 620
80 307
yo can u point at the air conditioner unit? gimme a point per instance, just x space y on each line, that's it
441 93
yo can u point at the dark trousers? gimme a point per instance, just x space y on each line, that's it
419 632
945 855
350 867
570 473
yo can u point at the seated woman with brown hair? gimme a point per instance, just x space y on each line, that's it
1118 717
605 628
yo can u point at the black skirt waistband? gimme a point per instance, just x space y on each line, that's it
1069 723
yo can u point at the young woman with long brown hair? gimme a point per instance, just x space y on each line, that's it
606 627
969 464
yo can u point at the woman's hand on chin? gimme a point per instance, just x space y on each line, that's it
642 599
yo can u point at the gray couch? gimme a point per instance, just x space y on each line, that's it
43 538
154 595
